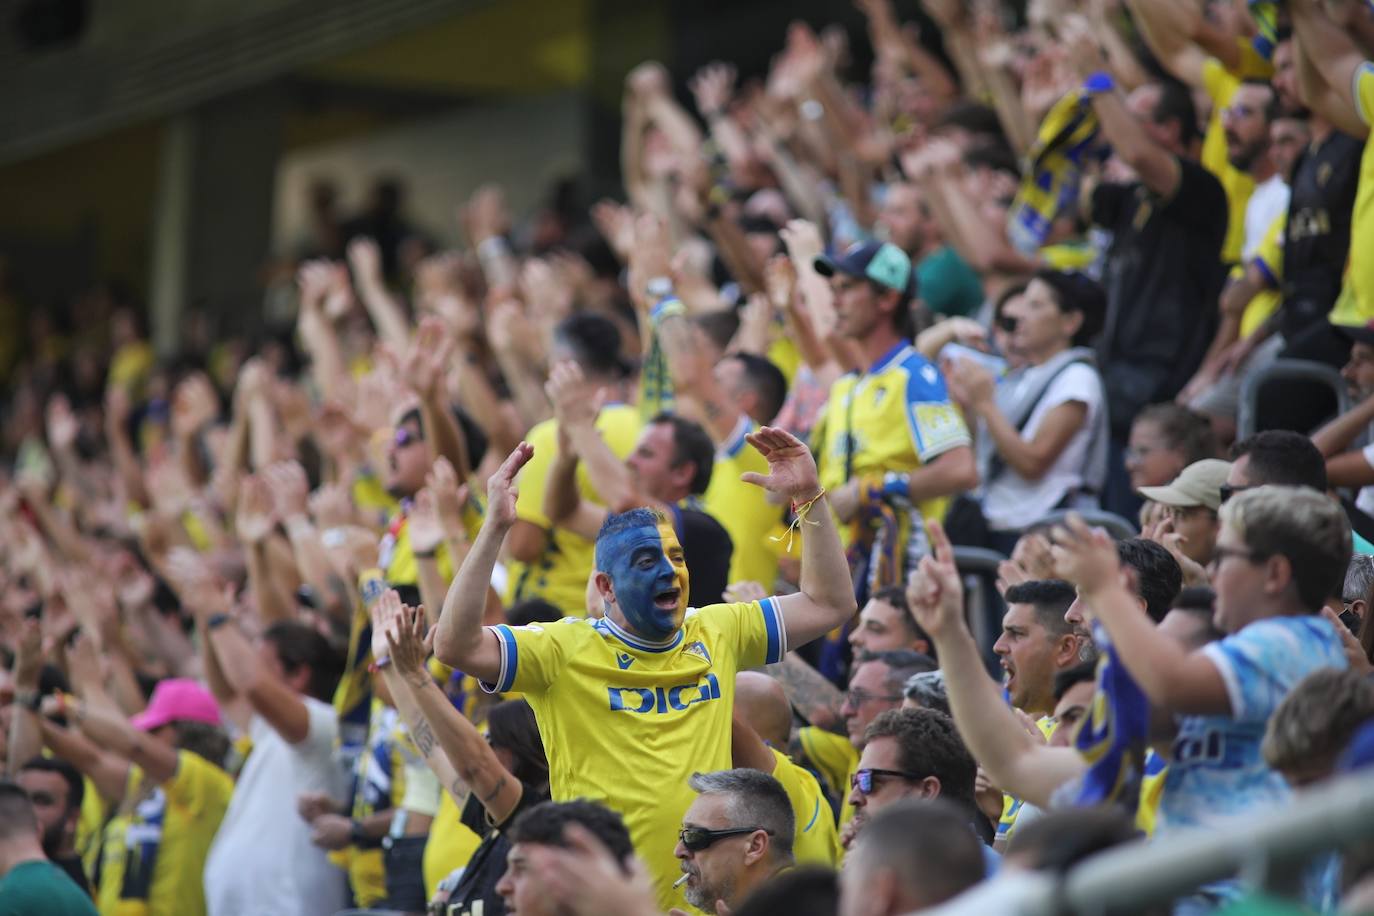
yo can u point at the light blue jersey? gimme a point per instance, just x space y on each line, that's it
1217 769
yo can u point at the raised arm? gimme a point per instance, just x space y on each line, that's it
1171 677
575 407
1158 168
1014 761
826 598
425 369
460 640
382 307
101 720
1168 27
474 765
242 670
1327 51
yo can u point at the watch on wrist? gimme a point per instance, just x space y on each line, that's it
215 621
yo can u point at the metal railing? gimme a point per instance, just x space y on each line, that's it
1285 370
1262 849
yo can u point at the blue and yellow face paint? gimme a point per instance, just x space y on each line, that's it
648 574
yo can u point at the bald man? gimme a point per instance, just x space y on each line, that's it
762 725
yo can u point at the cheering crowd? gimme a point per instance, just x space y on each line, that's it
634 559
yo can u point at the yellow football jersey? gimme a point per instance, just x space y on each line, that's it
154 850
743 509
895 417
559 576
835 759
1268 257
1221 86
816 840
1361 269
626 722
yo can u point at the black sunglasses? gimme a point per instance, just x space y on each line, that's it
695 839
863 780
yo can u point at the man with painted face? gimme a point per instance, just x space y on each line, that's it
668 470
629 706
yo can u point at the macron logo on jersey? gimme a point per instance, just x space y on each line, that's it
662 700
624 660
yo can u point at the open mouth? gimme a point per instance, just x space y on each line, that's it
666 600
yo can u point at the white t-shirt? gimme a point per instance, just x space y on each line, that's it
1011 501
262 861
1364 500
1269 199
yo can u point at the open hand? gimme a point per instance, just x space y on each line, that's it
791 468
410 641
1085 556
254 517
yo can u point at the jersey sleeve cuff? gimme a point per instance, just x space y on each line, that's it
777 633
735 444
1265 269
1365 71
510 656
1218 657
950 444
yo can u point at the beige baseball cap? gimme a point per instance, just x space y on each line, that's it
1199 484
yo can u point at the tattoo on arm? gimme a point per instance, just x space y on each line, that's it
806 687
424 738
495 790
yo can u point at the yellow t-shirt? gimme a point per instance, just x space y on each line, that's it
743 509
835 759
89 824
626 722
559 576
1361 267
1268 257
816 840
450 845
153 856
896 417
783 353
1221 86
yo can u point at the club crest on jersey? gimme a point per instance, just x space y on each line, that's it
698 648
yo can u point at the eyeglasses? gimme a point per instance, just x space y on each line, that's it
1227 491
857 696
405 437
696 839
863 780
1238 111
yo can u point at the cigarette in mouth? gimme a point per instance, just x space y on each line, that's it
681 881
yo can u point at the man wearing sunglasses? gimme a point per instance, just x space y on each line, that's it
914 754
736 835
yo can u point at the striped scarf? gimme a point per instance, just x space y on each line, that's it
656 393
1053 168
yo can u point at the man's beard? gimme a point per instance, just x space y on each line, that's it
1244 158
53 840
704 897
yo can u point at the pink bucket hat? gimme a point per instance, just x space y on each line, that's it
176 699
